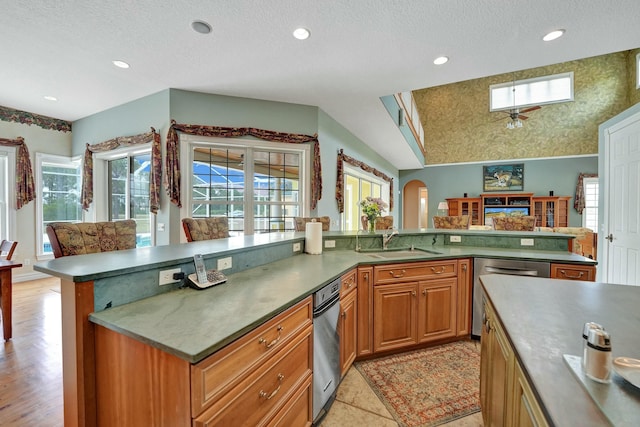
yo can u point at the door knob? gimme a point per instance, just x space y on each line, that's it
609 237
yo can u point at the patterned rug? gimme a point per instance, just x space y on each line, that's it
427 387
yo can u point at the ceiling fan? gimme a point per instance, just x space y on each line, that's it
515 116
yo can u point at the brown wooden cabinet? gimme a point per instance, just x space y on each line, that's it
348 322
263 378
573 272
465 297
551 211
466 206
365 311
496 204
414 303
506 397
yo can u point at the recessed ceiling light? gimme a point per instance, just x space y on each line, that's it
553 35
301 33
441 60
201 27
120 64
50 98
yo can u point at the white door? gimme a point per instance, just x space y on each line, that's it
622 203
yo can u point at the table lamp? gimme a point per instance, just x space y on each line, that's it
443 209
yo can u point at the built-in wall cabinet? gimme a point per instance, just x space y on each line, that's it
550 211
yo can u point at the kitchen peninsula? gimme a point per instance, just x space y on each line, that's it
119 291
539 321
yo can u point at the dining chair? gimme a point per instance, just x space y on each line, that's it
196 229
301 222
7 248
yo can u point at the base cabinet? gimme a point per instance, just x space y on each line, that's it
414 303
573 272
365 311
348 322
262 378
506 398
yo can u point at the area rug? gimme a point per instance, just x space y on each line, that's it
427 387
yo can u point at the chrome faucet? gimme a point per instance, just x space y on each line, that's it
357 242
386 238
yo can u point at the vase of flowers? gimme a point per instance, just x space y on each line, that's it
372 208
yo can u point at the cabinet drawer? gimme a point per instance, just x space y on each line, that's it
573 272
265 391
349 283
298 411
217 374
394 273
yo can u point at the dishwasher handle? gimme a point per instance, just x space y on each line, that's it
319 311
512 271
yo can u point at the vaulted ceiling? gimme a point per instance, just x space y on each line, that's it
358 51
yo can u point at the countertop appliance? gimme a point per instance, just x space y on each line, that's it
482 266
326 347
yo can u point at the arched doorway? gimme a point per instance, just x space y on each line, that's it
414 205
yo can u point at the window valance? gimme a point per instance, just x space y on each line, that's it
342 158
172 160
25 186
124 141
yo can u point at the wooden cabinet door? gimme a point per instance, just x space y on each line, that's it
526 411
365 311
348 330
394 316
496 373
437 309
463 309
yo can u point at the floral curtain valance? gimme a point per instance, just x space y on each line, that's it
172 160
578 201
342 158
124 141
25 186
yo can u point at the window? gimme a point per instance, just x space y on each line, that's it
4 195
58 184
530 92
638 71
259 188
128 192
357 186
590 213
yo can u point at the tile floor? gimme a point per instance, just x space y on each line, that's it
357 405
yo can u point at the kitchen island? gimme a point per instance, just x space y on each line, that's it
119 290
542 320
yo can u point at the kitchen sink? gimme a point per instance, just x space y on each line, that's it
398 253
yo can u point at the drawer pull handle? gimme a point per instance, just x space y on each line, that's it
275 341
578 276
397 276
424 292
267 396
413 293
442 269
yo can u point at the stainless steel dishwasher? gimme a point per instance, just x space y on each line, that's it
513 267
326 347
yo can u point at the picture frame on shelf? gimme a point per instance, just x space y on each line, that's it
507 177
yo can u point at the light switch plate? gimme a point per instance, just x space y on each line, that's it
329 243
296 247
455 239
526 242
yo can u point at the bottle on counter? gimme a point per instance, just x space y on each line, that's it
598 360
585 336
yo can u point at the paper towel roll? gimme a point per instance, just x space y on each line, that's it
313 238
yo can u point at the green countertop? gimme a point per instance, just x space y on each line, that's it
194 324
543 320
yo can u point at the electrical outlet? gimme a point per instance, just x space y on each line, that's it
225 263
526 242
296 247
329 243
166 276
455 239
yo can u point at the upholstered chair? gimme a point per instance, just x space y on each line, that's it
382 222
300 222
514 223
197 229
6 249
451 222
81 238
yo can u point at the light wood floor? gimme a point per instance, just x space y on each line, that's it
31 362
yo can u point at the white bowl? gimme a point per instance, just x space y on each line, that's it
628 368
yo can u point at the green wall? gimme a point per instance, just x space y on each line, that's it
540 176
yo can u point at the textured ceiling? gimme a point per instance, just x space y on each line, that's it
358 51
